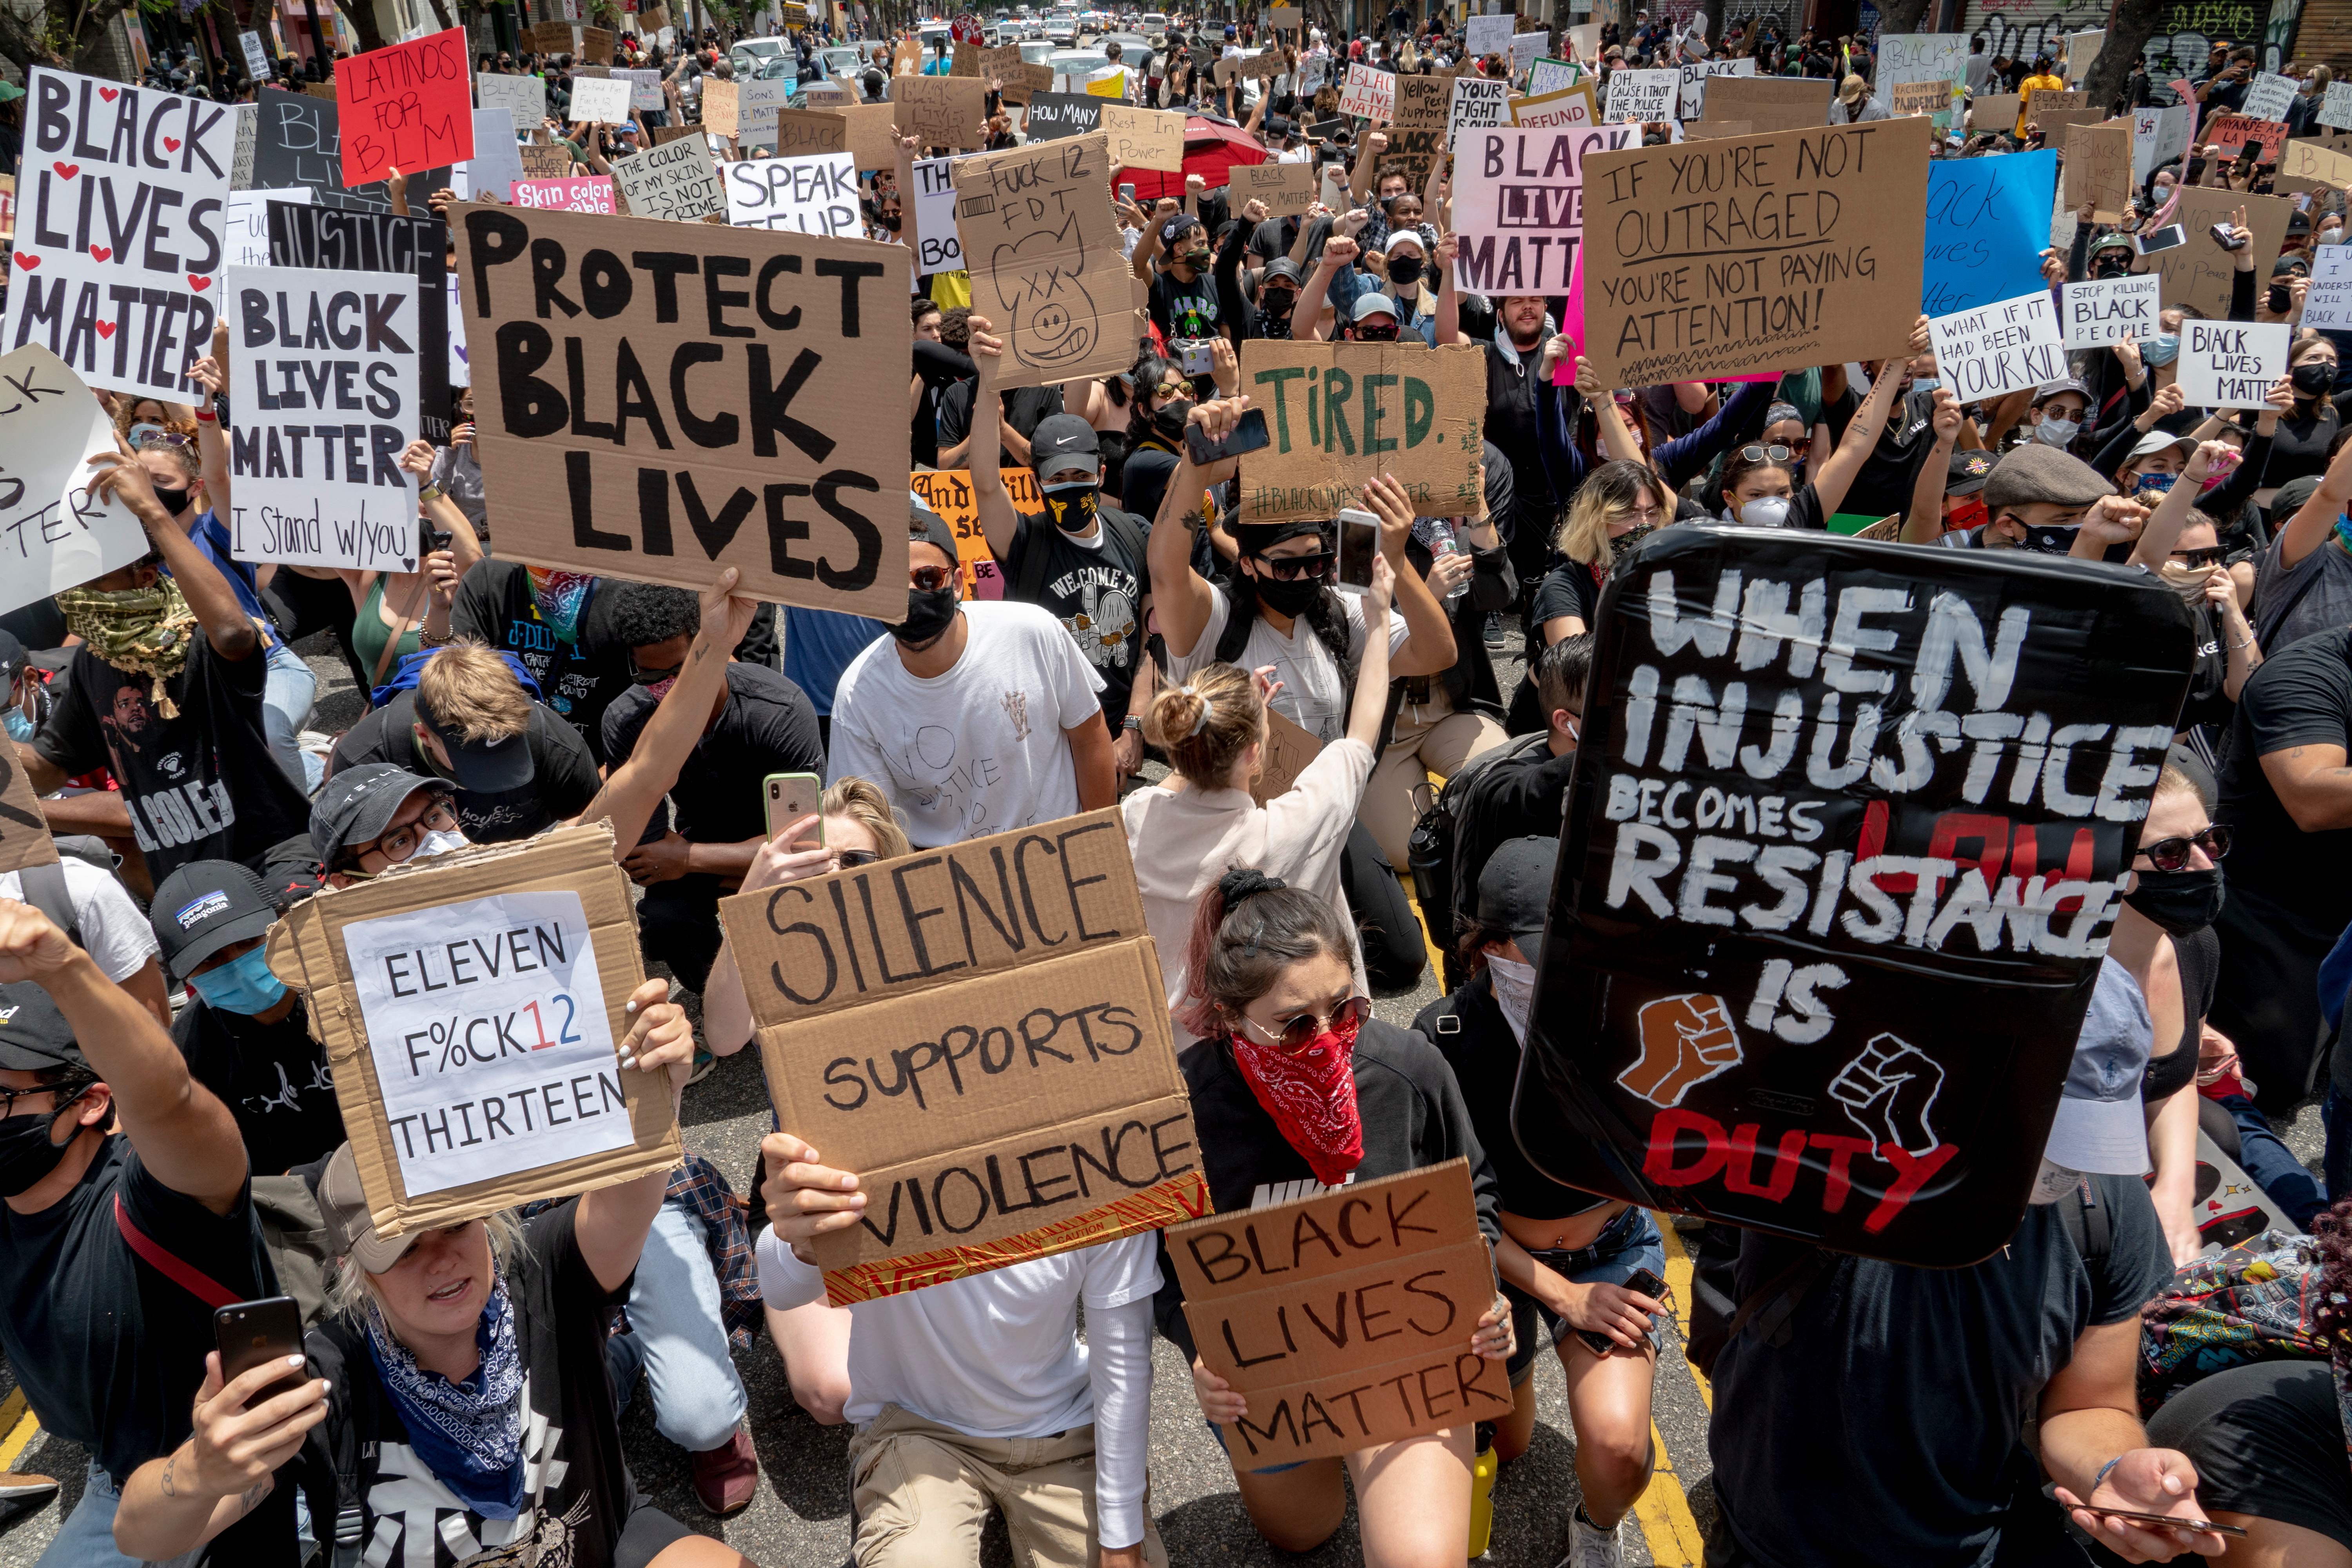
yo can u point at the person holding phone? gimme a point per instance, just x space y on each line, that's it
400 613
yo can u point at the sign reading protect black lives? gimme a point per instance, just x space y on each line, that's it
1844 845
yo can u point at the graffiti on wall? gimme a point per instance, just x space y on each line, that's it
2020 29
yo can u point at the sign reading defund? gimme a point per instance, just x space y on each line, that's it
661 400
325 367
120 205
980 1033
1844 850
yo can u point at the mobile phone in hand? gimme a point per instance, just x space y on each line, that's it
1359 543
2171 236
1249 434
792 797
2166 1520
1642 1282
432 539
1126 191
251 1332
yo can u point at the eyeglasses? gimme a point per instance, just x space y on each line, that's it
404 841
1648 512
2172 853
67 1093
849 859
1291 568
2211 555
1297 1033
930 579
1772 454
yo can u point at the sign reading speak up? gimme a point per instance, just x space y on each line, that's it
982 1034
665 400
1345 1318
1343 414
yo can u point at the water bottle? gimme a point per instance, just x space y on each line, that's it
1442 543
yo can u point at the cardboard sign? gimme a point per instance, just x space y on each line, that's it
573 194
2268 96
1144 138
1287 189
803 133
771 452
1520 205
1690 99
2309 166
596 45
1345 1318
1369 94
550 38
2328 306
1284 18
117 254
341 241
548 162
1003 65
812 195
825 95
1920 98
600 100
1717 129
1770 103
967 59
55 531
433 988
2232 364
1995 111
1830 1076
407 107
1641 97
1988 220
1999 348
1417 141
2042 100
939 111
1342 414
1290 747
677 181
2335 106
2201 273
718 107
325 89
1043 248
2108 311
2098 169
525 97
24 838
2235 133
990 1053
950 493
1847 288
1569 109
873 134
1054 115
1479 102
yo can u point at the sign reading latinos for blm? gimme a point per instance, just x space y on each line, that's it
1844 849
410 106
1341 415
121 198
491 1050
55 533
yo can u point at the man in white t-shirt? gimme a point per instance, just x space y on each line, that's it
973 719
106 923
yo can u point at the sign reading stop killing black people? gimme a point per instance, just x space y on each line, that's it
1843 848
340 239
325 367
121 200
662 400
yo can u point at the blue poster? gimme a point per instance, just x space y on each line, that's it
1987 224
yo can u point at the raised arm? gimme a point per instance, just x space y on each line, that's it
1306 322
1616 441
1183 597
228 627
1837 474
1923 524
998 521
1368 714
1428 647
1367 159
611 1222
211 376
2315 518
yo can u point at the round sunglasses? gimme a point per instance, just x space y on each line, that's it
2172 853
1297 1033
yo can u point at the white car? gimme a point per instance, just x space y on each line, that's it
749 56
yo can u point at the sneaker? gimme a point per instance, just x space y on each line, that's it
705 1064
1495 635
24 1488
727 1477
1589 1546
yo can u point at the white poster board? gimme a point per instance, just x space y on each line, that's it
1479 101
2328 305
938 248
1999 348
1692 99
601 101
2335 108
524 97
54 533
816 195
2109 310
257 58
2268 97
2231 364
1643 97
1485 35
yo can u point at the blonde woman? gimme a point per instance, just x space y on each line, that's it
1620 504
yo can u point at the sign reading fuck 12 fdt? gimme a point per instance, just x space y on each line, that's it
1846 839
120 201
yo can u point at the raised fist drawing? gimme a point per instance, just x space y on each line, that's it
1686 1040
1888 1091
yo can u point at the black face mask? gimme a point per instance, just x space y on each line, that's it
1404 271
1278 303
174 496
1292 598
892 221
927 615
1169 421
25 1153
2312 376
1072 507
2181 901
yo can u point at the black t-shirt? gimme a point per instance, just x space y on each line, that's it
1884 1430
200 787
2301 696
1884 483
563 782
109 1352
1144 481
272 1077
1182 310
577 1492
1096 594
1568 589
579 679
1470 1031
1019 408
767 727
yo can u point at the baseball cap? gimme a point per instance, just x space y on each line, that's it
12 655
1406 237
927 527
1969 472
2159 441
1282 266
355 807
1061 437
483 766
1370 305
206 906
2049 389
1515 890
2099 1127
34 1035
350 1227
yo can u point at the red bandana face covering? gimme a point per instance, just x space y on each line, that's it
1311 1097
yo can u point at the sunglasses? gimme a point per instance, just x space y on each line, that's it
1297 1033
1291 568
930 579
2211 555
849 859
1376 335
1775 453
2172 853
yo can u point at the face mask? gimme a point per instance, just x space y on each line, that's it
1515 991
174 496
19 727
243 985
1969 513
2181 901
1926 382
25 1153
1765 512
2312 376
1278 303
1169 421
2161 349
438 843
2057 432
927 615
1404 271
1072 507
2153 484
1196 260
1290 599
2053 1182
2331 236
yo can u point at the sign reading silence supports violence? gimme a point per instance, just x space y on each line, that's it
980 1033
1843 851
660 400
1341 415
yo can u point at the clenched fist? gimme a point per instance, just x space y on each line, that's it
1686 1040
1888 1091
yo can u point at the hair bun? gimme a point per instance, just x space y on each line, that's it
1241 884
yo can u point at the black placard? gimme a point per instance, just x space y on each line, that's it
346 241
296 142
1054 115
1846 838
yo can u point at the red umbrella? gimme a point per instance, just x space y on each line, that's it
1209 150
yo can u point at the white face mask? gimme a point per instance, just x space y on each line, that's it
440 843
2053 1182
1765 512
2057 432
1515 991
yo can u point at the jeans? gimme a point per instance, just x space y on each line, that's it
677 1337
2273 1168
286 698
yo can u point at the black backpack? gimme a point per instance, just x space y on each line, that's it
1437 854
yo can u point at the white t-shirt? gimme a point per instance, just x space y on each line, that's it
978 750
116 935
1311 691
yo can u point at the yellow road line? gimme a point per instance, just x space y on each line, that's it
1436 959
1678 1276
1664 1512
21 1424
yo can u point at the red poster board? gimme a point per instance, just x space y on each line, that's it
407 107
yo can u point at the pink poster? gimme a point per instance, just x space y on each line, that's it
579 194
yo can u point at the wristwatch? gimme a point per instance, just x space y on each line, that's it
1130 722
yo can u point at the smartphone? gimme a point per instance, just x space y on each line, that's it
251 1332
2171 236
1126 191
431 539
1359 543
1642 1282
792 797
1196 356
2225 236
2159 1518
1247 435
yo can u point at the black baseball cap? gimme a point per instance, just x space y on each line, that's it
206 906
12 656
355 807
34 1035
1060 436
1515 890
484 767
1282 266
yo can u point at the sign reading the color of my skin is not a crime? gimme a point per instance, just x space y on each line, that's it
1341 415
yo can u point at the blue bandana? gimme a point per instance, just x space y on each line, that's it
469 1432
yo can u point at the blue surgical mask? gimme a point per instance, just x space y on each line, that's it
2161 349
243 985
19 727
2153 484
1926 382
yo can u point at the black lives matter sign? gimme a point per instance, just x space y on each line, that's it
1844 845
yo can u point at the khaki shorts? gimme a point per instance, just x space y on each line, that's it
923 1491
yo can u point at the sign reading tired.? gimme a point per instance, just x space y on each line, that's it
1341 415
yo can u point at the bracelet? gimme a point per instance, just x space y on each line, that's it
2248 643
2102 1476
431 492
206 416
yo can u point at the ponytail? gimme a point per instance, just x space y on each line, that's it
1250 927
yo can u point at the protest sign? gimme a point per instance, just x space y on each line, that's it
496 162
933 230
1345 1318
604 101
2058 125
1989 350
967 59
2042 100
471 1007
1691 94
1770 103
257 59
1920 98
1716 130
2082 52
1526 48
1817 260
596 45
1927 67
1343 414
804 132
873 137
814 195
1417 141
409 106
325 89
1284 18
2109 310
827 95
550 162
240 155
341 241
2098 169
525 97
1769 1009
1312 72
2268 96
245 232
677 181
1046 266
550 38
1478 101
990 1052
573 193
1144 138
25 839
1003 65
1569 109
2232 364
682 444
1113 83
2159 136
644 89
939 111
1549 76
2328 306
2335 106
948 492
2201 273
1643 97
1054 115
1988 221
1996 112
1369 94
460 374
1486 35
1287 189
118 252
2309 166
1520 205
719 107
1290 747
2235 133
55 533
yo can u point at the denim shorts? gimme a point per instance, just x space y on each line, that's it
1626 1243
1219 1434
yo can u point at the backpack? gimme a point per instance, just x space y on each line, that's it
44 887
1436 854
